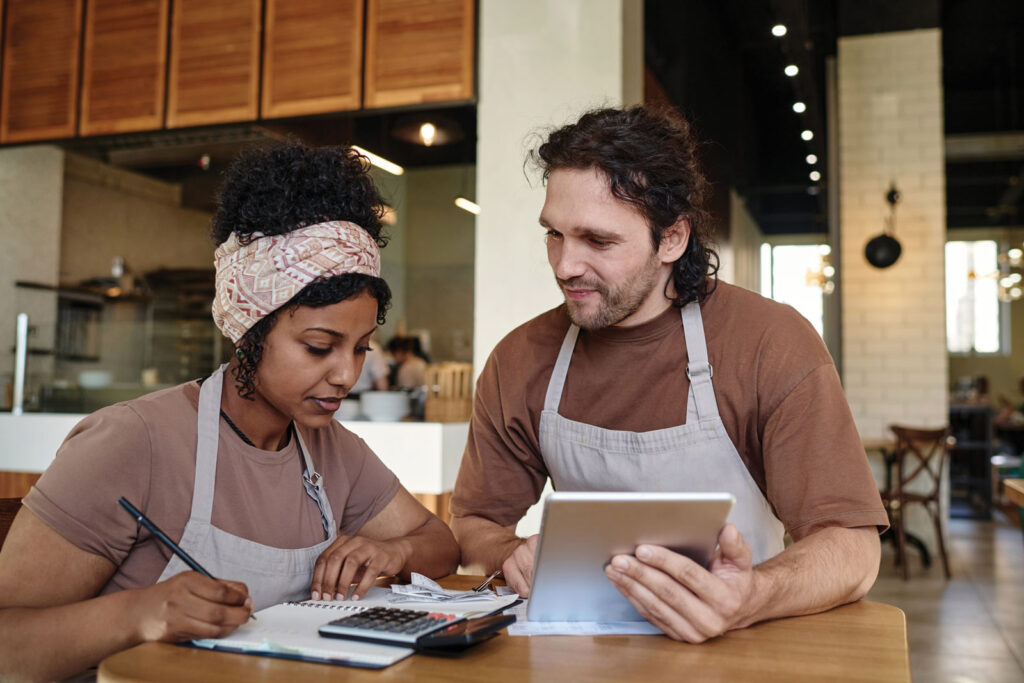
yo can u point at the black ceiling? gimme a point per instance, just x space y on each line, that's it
722 66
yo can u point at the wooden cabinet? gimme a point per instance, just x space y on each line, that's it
419 51
214 62
312 57
123 66
39 95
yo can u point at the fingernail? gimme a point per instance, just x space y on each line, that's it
643 552
620 563
248 602
315 595
612 573
355 597
328 597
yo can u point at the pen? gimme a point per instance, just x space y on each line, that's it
163 538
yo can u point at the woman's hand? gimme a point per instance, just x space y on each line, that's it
189 606
355 558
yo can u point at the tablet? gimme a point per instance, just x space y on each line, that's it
581 532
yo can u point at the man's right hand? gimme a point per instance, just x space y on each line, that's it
518 567
189 606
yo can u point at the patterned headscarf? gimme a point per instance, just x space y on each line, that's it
255 279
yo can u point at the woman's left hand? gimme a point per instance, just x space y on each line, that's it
352 558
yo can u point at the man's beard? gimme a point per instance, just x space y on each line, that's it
616 303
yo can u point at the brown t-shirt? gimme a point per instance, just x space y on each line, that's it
145 450
777 390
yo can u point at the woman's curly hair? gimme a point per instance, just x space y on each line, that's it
650 160
275 190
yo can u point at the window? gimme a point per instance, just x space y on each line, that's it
798 275
972 297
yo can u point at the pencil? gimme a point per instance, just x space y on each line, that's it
163 538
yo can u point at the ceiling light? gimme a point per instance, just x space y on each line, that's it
815 176
799 107
807 135
1015 253
779 30
812 159
791 70
380 162
427 133
467 205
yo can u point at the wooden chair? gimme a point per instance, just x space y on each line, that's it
8 510
449 392
922 456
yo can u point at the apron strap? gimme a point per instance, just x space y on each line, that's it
207 438
557 383
698 369
314 485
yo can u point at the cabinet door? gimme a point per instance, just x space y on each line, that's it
214 69
123 66
40 72
312 56
419 51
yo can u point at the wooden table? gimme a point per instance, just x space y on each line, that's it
865 641
1014 489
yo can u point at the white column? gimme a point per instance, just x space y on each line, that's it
891 130
541 64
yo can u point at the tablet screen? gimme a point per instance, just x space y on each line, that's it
581 532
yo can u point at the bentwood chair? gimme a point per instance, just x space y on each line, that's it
8 510
922 456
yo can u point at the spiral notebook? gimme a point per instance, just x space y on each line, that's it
289 630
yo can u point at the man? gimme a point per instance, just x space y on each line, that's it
653 376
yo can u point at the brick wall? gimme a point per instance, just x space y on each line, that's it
891 130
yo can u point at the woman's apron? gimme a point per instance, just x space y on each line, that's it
694 457
272 575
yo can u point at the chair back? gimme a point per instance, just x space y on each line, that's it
921 456
8 511
449 392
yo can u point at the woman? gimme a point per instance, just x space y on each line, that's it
246 469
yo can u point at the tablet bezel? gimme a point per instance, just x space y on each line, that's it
582 531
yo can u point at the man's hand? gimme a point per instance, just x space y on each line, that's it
189 606
518 567
682 598
354 558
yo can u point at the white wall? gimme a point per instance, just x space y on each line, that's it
108 212
31 186
439 260
740 254
891 130
541 64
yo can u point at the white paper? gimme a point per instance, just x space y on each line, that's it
522 627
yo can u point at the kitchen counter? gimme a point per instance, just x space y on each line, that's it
425 456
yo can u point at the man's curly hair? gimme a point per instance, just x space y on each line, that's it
650 160
275 190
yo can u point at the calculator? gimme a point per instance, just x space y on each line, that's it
389 625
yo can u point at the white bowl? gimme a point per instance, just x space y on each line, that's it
384 406
349 410
95 379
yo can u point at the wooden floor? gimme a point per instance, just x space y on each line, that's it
969 629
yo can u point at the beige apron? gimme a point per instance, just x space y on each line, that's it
273 575
694 457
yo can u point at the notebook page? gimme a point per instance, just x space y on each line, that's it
291 629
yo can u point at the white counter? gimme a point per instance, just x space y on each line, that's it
425 456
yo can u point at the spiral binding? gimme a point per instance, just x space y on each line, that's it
328 605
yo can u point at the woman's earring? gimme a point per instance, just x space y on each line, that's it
240 354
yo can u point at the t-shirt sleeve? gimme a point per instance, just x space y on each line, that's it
502 473
105 456
816 470
371 485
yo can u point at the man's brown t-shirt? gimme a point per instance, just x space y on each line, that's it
145 450
777 390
